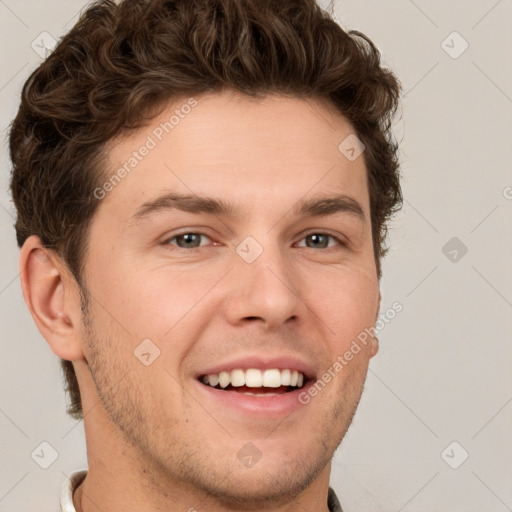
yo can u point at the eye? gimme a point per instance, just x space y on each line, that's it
187 240
192 240
321 240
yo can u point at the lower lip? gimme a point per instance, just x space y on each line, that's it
267 406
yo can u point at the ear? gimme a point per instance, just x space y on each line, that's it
374 342
53 299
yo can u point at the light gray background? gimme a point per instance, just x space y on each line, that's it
443 371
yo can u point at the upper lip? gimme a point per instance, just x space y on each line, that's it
262 363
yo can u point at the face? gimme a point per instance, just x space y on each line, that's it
184 289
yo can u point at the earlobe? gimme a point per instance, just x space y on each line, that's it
374 346
52 298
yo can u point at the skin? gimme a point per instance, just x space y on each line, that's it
153 441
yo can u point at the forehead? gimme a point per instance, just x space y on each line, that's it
228 145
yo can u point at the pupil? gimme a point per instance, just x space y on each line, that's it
189 238
316 238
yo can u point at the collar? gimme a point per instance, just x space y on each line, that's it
68 487
332 502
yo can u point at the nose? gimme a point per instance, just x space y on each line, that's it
266 291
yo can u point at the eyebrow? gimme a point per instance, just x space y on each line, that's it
321 206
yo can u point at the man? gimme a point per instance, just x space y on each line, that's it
202 190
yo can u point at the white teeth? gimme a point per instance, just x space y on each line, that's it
272 379
255 378
213 379
224 379
286 377
237 378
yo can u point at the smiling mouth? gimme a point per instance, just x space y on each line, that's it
255 382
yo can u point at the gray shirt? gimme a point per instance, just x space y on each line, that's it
333 502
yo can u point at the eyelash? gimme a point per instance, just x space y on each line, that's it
168 240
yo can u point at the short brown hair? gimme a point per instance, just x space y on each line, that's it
121 62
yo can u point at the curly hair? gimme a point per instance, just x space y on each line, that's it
122 62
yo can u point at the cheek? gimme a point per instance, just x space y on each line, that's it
347 298
346 303
156 303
